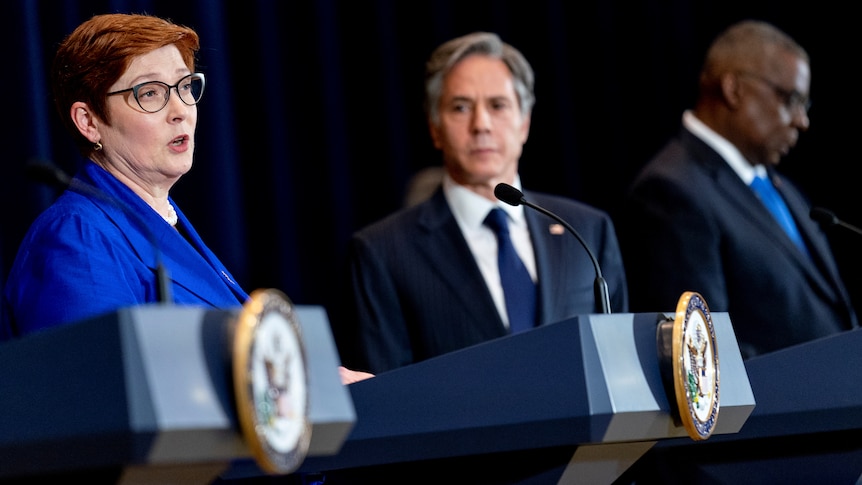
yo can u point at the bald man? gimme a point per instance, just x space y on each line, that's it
693 222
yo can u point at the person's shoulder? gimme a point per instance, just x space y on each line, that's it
677 163
70 215
392 223
561 203
67 207
674 149
423 218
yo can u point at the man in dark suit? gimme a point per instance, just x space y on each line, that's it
425 281
693 223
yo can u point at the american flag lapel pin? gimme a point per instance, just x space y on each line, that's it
555 229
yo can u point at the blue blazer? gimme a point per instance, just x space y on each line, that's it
691 224
95 249
416 292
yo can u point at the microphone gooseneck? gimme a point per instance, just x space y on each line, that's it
50 174
515 197
827 218
47 173
824 216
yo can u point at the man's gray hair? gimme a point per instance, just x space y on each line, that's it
450 53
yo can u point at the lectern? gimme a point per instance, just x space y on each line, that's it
806 428
577 401
146 390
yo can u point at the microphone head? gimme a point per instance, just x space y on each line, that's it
824 216
47 173
509 194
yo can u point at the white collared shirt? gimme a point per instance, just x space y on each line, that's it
470 210
728 152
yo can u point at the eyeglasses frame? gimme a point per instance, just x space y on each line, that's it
134 90
791 99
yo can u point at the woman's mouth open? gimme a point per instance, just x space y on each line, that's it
180 143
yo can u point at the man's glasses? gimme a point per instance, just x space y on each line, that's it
792 99
152 96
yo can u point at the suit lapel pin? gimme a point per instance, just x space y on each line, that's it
555 229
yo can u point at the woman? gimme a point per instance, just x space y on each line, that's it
126 88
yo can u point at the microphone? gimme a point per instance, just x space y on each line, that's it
47 173
513 196
52 175
827 218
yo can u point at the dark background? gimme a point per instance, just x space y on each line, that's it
312 124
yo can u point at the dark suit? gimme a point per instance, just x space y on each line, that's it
416 291
95 250
691 224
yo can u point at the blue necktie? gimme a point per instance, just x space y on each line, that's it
773 201
518 287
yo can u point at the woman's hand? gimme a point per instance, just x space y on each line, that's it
350 376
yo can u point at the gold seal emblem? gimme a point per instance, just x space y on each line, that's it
695 366
270 382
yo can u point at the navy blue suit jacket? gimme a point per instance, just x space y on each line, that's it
95 250
691 224
416 292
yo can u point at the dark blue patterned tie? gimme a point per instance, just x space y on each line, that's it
518 287
773 201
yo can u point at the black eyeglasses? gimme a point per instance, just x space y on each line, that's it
792 99
152 96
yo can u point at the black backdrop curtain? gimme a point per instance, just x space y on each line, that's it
312 122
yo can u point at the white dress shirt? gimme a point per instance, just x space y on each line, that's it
470 210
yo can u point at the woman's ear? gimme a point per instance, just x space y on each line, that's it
83 118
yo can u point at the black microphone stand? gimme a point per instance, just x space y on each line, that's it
513 196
